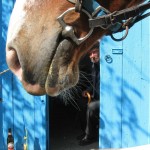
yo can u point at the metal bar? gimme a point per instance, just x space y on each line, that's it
4 71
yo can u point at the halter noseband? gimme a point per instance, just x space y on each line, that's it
101 17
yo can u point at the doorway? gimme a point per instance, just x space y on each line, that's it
65 122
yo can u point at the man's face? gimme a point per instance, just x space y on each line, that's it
94 55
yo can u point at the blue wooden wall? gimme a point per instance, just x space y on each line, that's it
125 89
19 110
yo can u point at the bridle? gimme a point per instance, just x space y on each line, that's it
68 31
100 17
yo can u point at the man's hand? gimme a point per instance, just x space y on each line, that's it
87 94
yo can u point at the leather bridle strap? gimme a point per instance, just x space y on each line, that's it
78 4
118 16
101 17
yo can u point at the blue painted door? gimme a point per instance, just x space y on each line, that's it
125 89
19 110
0 76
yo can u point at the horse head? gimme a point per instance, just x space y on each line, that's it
38 54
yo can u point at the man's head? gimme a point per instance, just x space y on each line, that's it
94 53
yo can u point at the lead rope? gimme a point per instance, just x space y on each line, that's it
4 71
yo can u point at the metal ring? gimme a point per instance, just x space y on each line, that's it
68 30
121 39
108 59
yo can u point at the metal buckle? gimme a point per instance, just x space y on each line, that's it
68 30
122 38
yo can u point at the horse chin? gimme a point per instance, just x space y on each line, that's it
63 72
34 89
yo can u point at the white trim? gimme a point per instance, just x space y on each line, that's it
143 147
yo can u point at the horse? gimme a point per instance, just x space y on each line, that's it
39 50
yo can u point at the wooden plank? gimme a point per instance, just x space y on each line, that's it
1 116
7 105
110 94
135 118
145 75
30 116
18 97
40 122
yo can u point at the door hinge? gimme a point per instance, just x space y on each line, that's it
117 51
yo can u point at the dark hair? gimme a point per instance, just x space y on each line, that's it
96 45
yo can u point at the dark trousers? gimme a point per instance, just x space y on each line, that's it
92 125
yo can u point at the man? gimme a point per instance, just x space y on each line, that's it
92 123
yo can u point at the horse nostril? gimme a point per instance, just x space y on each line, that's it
9 48
13 61
13 57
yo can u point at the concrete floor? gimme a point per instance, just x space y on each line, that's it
65 127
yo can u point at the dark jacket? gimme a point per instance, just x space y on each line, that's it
94 89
